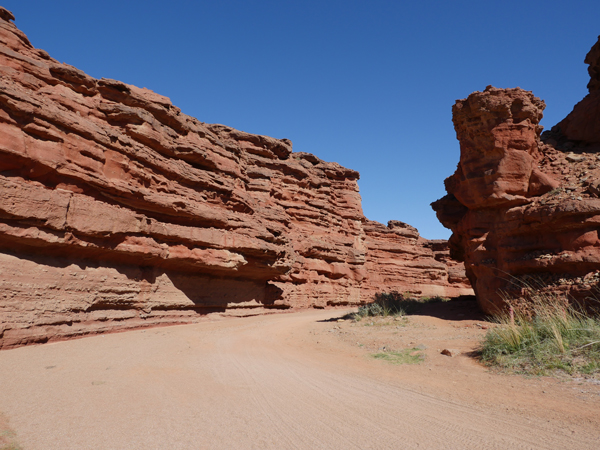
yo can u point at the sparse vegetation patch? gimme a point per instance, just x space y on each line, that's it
392 303
7 436
406 356
544 335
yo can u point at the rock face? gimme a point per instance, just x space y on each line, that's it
398 259
118 211
582 125
524 209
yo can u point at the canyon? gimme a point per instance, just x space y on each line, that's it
118 211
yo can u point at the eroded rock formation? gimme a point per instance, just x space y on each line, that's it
399 259
118 211
524 210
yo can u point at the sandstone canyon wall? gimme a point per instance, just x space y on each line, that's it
523 206
118 211
398 259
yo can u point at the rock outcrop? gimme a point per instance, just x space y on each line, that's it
118 211
524 208
399 259
582 125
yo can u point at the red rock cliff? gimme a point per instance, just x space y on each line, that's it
398 259
119 211
524 210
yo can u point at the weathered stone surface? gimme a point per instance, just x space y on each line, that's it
525 211
583 123
398 259
498 130
593 60
118 211
5 14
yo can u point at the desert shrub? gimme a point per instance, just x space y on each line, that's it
544 333
383 304
393 303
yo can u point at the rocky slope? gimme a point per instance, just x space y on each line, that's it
523 207
119 211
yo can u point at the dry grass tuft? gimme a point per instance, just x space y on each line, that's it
544 334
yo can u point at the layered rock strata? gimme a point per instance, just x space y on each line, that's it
524 208
399 259
118 211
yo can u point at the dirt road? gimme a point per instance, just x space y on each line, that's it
283 381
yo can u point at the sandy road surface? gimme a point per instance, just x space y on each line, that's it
269 382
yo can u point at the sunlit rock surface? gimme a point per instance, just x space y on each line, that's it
118 211
524 207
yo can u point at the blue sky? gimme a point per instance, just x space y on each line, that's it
369 85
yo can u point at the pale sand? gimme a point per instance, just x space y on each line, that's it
282 381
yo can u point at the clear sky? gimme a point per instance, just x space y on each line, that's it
368 84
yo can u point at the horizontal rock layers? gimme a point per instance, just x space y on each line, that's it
118 211
398 259
524 208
